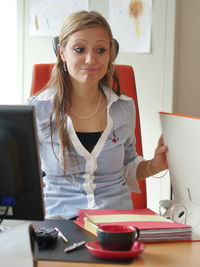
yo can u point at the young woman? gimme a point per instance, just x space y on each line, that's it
87 142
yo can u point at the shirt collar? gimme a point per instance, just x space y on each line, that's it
111 96
46 95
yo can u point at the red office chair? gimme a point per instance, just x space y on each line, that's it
41 75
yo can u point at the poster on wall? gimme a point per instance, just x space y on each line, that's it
46 17
130 21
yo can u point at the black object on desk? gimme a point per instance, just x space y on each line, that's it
74 234
45 237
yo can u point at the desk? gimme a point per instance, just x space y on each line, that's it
178 254
181 254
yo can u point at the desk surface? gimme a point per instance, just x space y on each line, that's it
181 254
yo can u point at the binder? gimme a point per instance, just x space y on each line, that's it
153 227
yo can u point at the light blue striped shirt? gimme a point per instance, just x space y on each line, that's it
105 177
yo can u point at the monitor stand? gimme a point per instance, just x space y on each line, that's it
15 244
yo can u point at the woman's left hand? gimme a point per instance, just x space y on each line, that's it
159 162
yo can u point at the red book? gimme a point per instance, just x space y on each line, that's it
153 227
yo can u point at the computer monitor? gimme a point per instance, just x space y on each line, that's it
20 173
181 136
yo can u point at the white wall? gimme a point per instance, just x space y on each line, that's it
8 53
154 77
36 50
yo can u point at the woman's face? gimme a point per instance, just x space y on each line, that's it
87 55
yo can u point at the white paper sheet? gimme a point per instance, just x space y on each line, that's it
47 16
130 21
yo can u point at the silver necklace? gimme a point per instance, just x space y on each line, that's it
91 115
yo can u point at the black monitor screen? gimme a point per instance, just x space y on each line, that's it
20 175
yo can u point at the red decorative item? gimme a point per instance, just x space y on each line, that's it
114 137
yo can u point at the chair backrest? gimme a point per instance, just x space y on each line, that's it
125 74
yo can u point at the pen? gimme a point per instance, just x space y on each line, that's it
61 235
75 246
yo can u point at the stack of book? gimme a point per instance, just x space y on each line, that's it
153 227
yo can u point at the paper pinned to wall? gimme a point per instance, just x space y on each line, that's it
47 16
130 21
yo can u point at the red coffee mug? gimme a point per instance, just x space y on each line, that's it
117 237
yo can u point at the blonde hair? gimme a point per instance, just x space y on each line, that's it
60 79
